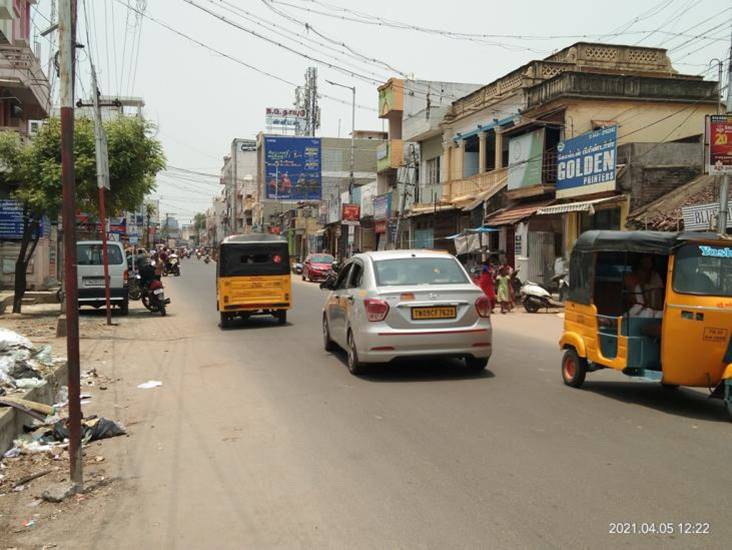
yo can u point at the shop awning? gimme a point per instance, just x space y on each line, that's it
514 214
578 206
477 230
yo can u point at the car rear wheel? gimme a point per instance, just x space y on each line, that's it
328 344
574 368
354 365
476 364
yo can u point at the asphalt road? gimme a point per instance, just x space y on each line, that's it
261 439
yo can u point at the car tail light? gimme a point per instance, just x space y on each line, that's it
126 276
376 310
483 306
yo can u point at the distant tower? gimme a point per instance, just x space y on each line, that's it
306 98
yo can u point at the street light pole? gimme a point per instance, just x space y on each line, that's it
724 186
352 179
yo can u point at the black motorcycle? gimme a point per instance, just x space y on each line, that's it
153 297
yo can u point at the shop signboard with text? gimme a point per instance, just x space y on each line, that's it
587 163
350 214
382 206
719 144
292 168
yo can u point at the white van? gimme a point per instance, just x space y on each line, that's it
90 272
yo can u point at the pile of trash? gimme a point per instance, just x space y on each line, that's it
23 365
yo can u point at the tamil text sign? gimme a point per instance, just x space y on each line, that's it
587 163
285 120
719 139
702 217
292 168
525 154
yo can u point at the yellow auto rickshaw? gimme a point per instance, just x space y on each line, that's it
651 304
253 277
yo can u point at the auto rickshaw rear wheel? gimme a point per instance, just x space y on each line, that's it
574 368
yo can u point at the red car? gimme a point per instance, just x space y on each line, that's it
317 267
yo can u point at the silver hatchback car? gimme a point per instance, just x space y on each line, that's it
406 303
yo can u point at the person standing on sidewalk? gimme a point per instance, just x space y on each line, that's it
504 291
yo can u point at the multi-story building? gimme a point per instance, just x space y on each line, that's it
239 177
412 153
500 144
24 103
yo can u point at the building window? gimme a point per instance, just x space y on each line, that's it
432 171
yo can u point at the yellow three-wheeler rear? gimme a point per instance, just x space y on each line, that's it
253 277
651 304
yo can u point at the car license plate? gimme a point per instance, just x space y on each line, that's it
438 312
94 281
158 291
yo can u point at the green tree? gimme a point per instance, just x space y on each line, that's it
199 224
34 170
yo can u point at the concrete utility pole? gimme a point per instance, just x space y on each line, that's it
102 157
724 185
352 180
67 50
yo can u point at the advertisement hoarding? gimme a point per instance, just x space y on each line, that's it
587 163
292 168
719 144
350 214
525 156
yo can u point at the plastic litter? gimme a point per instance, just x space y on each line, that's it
150 384
92 430
29 383
10 339
12 453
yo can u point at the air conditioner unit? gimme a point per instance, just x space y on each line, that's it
34 126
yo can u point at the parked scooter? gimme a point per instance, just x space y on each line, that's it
535 297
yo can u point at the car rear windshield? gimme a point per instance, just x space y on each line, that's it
419 271
322 259
703 269
91 254
254 259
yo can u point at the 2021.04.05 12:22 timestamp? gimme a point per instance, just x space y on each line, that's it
662 528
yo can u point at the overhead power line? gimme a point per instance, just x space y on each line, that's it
234 59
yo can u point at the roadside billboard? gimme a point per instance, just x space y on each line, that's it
719 144
525 156
292 168
587 163
368 192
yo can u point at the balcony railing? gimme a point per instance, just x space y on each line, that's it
21 72
470 186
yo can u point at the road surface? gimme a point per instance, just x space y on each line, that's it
258 438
